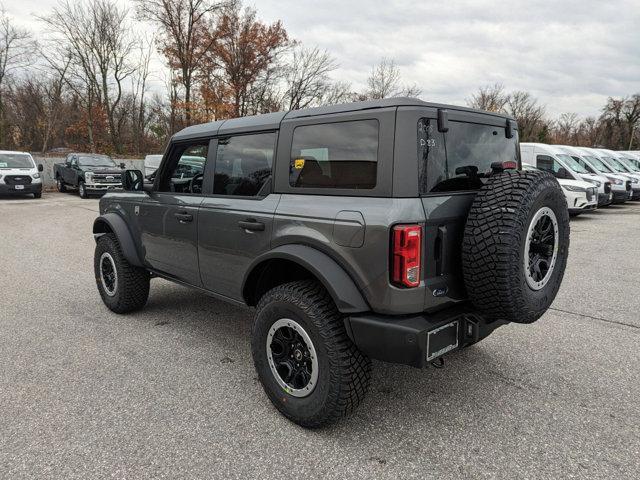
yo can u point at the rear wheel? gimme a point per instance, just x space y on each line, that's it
122 286
308 366
516 244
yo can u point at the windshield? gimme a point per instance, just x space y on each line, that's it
629 163
96 161
16 160
597 164
571 163
615 165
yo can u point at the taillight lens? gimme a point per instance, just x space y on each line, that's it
406 244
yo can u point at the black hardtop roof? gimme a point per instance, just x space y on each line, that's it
271 121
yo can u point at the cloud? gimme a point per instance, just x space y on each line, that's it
570 54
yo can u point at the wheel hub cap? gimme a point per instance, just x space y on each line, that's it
108 274
292 357
541 248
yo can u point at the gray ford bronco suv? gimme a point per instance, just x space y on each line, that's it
396 230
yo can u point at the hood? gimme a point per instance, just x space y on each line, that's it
576 183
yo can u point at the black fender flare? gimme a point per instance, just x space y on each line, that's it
334 278
112 222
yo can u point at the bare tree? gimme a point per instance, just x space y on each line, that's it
491 98
384 82
16 51
529 115
567 129
181 39
307 78
98 39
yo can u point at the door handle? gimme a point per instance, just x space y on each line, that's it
251 224
183 217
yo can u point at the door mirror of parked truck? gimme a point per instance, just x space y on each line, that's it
122 165
133 181
40 167
562 173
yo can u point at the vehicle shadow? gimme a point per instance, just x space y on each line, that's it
419 398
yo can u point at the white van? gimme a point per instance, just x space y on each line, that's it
151 164
618 163
19 174
581 195
570 157
620 185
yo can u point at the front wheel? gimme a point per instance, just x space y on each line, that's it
308 366
82 190
122 286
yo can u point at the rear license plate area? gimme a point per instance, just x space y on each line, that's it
442 340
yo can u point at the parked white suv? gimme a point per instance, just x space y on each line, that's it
620 185
19 174
581 195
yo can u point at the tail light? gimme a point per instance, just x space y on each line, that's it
406 247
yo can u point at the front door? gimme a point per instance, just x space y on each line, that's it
168 217
235 223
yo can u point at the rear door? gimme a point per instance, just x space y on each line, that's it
235 222
168 217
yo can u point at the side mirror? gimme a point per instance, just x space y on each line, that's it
562 173
40 167
122 165
133 181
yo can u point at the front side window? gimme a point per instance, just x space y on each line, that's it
465 162
580 161
548 164
243 164
186 169
335 155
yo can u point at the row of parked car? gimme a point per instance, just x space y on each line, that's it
590 177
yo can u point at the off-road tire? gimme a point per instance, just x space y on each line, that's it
132 288
62 188
494 240
343 371
82 189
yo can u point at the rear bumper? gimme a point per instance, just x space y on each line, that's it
27 189
405 339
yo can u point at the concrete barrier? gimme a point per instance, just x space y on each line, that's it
48 162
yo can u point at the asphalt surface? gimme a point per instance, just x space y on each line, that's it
170 392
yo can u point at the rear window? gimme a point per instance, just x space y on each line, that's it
461 158
335 155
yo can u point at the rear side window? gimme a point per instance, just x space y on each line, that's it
335 155
243 164
464 163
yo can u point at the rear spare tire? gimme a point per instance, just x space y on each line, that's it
515 246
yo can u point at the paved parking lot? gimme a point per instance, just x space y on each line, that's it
170 392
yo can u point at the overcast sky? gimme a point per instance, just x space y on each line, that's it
570 54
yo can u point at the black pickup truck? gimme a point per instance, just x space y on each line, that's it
88 172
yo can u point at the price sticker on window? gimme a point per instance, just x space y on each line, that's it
298 163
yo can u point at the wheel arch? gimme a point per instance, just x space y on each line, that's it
296 262
113 223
